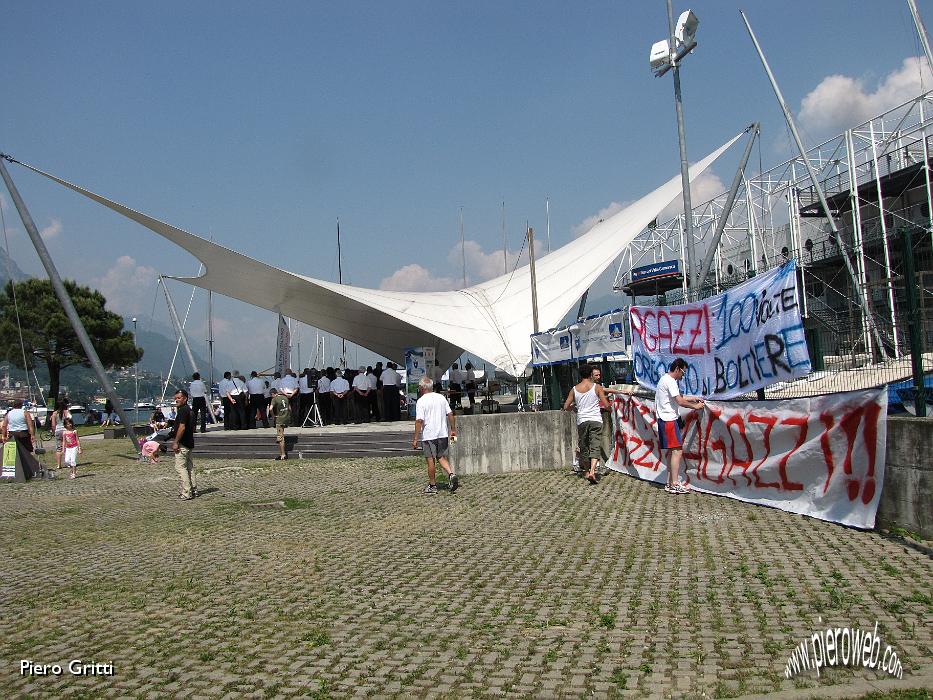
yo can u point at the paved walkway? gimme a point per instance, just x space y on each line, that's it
338 578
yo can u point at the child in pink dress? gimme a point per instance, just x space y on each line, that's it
72 447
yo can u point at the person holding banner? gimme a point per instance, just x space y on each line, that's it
667 399
589 398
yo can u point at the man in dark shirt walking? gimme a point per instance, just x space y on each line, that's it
182 444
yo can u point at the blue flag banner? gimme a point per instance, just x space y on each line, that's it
744 339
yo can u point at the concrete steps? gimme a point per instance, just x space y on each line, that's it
308 445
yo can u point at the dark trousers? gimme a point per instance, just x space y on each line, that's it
390 399
238 419
361 408
199 406
339 405
257 405
228 413
373 404
323 404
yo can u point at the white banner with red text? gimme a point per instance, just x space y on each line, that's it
821 456
744 339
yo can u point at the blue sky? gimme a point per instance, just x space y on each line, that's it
261 123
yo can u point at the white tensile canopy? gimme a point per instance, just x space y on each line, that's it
492 320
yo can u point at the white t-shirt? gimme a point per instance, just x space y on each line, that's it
303 387
390 377
372 381
197 390
432 408
339 386
455 376
255 385
361 382
323 385
664 403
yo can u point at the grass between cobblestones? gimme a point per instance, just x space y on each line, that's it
338 578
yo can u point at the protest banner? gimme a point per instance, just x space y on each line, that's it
744 339
820 456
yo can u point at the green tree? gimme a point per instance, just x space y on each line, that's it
49 337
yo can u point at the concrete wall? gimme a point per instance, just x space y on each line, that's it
513 442
907 495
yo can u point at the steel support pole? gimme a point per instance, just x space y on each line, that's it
859 241
866 312
921 30
180 330
750 211
884 233
730 200
690 262
66 302
926 171
914 322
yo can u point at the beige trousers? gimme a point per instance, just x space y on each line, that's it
184 465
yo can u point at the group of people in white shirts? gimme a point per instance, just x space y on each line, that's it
342 396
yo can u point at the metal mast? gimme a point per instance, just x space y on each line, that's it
343 342
65 299
462 248
860 300
921 30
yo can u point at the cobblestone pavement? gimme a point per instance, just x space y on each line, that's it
333 579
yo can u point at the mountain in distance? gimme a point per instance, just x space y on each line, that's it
158 344
8 268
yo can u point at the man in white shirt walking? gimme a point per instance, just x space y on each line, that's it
198 392
667 399
433 417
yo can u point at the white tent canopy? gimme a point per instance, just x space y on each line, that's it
492 320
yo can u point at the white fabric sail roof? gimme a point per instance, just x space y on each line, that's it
492 320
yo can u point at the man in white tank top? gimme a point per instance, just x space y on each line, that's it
588 397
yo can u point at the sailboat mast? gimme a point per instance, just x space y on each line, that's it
343 342
505 244
462 248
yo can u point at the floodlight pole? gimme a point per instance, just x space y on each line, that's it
859 297
921 30
689 263
65 299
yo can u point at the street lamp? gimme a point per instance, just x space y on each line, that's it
666 55
136 374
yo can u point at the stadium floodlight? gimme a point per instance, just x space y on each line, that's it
662 58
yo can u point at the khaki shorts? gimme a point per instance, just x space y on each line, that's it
589 437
